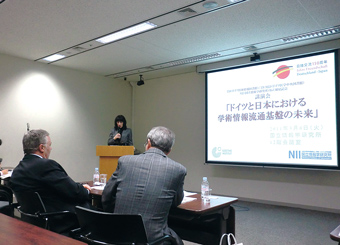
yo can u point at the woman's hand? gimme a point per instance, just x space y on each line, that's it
117 136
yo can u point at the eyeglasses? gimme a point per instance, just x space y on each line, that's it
146 143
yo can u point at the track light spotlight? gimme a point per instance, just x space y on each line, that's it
141 80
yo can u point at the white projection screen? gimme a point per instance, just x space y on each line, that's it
281 113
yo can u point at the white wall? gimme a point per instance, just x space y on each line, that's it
76 108
178 102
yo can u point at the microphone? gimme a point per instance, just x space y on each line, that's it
120 131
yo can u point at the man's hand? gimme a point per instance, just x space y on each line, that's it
5 171
86 186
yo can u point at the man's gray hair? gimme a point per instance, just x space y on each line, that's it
162 138
32 139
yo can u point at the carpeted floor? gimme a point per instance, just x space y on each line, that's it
263 224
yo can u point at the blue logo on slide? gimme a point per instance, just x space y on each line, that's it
216 152
315 155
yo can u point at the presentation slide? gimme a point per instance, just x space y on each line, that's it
276 113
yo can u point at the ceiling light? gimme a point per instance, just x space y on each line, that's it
126 32
210 5
190 60
54 57
314 34
167 65
161 20
187 12
250 48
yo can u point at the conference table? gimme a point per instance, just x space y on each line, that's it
14 231
204 223
195 220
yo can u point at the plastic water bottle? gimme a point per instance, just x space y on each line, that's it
96 177
205 188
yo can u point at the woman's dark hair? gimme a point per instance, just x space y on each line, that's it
120 118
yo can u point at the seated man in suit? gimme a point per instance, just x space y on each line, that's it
148 184
37 173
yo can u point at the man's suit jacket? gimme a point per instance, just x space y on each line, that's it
126 137
57 190
147 184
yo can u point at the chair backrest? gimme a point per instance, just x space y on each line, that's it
6 194
30 206
6 201
112 228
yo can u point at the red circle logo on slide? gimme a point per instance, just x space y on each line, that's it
282 71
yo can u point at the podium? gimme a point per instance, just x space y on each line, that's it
108 157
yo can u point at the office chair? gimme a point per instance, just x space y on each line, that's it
33 211
6 201
107 228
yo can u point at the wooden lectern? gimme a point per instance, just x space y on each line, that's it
108 157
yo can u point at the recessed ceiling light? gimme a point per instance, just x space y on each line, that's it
250 48
126 32
210 4
187 12
54 57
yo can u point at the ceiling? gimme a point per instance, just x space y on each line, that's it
35 29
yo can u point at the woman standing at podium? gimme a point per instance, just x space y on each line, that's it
120 134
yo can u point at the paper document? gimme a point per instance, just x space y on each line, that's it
6 175
188 199
186 193
98 187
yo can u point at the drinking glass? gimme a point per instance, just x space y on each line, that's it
102 179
